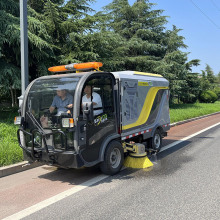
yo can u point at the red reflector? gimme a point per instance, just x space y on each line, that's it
119 131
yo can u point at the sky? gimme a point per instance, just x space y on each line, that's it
200 24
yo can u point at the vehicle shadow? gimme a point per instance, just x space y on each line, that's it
70 176
165 163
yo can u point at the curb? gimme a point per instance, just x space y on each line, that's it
192 119
22 166
18 167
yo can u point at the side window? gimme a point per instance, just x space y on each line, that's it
99 90
131 99
108 101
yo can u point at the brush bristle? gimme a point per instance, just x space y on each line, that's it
135 162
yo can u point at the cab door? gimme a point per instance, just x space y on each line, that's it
104 114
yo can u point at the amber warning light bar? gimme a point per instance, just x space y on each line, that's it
76 66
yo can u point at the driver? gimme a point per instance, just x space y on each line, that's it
61 101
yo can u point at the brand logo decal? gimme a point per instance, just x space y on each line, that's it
100 119
145 83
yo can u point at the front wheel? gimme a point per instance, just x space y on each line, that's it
113 159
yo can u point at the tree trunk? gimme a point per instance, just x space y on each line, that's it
12 97
15 97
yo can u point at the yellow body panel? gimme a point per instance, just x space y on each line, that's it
145 112
147 74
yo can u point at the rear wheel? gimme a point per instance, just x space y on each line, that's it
156 141
113 159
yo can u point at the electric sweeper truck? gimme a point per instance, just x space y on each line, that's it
92 117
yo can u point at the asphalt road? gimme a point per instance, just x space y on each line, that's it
183 184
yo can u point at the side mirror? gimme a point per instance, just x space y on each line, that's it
88 111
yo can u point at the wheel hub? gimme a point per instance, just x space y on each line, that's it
157 141
115 158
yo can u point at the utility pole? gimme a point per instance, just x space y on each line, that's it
24 46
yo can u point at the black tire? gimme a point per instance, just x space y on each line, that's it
113 158
155 142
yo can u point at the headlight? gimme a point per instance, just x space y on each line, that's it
17 120
67 122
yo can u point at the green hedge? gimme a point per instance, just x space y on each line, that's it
208 97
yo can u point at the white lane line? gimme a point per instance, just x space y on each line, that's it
75 189
186 138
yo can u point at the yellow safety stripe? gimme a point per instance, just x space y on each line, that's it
145 112
147 74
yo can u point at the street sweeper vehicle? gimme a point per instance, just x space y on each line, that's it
91 117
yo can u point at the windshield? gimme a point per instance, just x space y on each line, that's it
51 97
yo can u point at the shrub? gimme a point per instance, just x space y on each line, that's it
189 98
217 92
208 96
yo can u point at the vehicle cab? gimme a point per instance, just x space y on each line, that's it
70 137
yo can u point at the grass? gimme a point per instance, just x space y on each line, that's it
11 153
180 112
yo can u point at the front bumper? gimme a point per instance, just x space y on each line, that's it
48 154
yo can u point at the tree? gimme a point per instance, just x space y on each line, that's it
147 46
9 51
40 47
70 26
210 74
141 29
205 84
51 27
173 64
192 89
123 36
218 78
208 80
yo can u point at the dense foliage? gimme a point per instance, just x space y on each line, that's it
122 36
208 96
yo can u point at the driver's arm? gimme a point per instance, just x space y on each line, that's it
51 109
69 106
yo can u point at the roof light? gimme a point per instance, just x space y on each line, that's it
76 66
